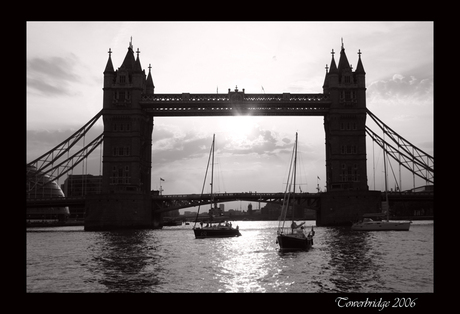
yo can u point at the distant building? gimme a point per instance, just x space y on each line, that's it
217 211
172 213
81 185
41 186
250 209
424 188
271 211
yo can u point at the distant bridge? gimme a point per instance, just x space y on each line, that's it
166 203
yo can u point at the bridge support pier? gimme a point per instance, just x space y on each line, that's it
340 208
119 211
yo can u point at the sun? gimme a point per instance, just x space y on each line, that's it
239 128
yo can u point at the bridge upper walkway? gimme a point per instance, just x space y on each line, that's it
235 103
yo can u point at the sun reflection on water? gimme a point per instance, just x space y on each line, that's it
242 263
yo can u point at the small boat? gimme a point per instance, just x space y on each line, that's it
296 240
295 237
377 224
215 227
367 224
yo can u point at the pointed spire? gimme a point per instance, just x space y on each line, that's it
109 66
333 67
359 67
326 81
128 62
343 61
149 87
137 65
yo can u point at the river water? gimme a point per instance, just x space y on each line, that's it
68 259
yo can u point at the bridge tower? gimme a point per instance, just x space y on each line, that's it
345 125
348 193
125 201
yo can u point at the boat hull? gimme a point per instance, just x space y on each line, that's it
293 243
381 226
216 233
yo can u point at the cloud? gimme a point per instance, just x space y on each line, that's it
42 140
257 141
169 146
46 88
52 76
401 89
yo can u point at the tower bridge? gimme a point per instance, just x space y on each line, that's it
130 106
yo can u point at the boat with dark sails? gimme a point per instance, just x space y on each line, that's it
294 237
215 226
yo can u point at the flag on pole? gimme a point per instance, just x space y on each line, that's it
161 179
263 89
318 178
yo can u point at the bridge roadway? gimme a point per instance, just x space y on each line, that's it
177 201
165 203
172 202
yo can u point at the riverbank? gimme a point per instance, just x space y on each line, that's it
38 224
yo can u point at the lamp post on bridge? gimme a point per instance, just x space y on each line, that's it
161 188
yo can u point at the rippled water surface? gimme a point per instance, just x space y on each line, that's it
67 259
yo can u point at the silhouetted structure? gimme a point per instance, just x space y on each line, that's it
130 105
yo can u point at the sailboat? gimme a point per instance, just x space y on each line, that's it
216 227
292 238
368 224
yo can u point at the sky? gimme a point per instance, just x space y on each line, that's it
65 61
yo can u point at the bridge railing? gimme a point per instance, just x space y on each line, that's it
218 195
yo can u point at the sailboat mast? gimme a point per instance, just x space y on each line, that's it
287 195
295 170
387 207
212 170
204 181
